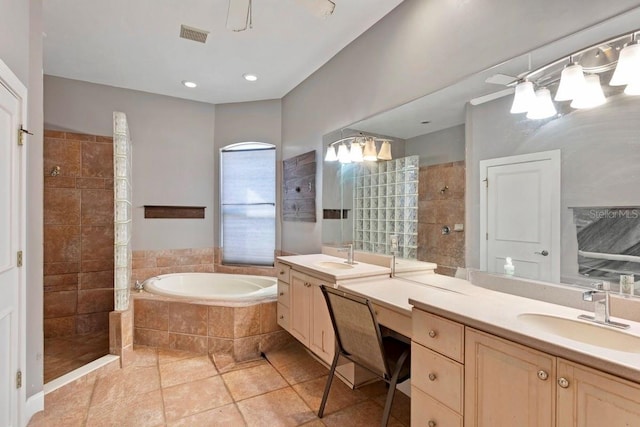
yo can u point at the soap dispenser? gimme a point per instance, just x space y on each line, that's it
509 268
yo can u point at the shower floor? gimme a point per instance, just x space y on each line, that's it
65 354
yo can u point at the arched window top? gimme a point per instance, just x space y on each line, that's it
249 146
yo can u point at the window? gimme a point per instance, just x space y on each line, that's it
248 203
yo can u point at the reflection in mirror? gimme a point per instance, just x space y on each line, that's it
453 129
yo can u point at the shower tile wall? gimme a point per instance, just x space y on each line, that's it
78 233
439 207
386 204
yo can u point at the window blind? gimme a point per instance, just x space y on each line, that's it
248 197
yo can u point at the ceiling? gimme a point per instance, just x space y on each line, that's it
136 44
446 108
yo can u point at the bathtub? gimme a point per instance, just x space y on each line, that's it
213 287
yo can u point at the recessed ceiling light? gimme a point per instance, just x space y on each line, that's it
250 77
188 84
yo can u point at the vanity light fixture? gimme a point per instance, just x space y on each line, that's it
583 90
189 84
523 98
250 77
542 107
591 96
572 82
358 148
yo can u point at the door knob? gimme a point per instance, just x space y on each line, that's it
543 253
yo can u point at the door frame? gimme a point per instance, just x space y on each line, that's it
554 156
10 81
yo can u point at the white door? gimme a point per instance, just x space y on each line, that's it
11 235
522 195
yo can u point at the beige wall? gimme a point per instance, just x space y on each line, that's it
420 47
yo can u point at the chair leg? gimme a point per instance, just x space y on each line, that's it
328 385
392 388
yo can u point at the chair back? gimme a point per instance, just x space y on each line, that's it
357 331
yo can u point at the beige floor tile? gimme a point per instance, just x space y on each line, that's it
125 383
186 370
193 397
144 356
144 410
340 396
226 363
278 408
166 355
302 368
374 389
364 414
314 423
287 355
401 407
228 415
254 381
67 406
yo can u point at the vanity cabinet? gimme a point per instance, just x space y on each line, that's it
507 384
284 295
589 398
310 322
456 369
437 371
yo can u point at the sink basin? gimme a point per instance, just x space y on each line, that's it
334 265
587 333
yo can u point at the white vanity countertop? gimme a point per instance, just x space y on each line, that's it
497 313
311 264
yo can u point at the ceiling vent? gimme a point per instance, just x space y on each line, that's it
194 34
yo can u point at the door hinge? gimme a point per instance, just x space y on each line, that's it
19 379
486 182
21 132
19 262
487 236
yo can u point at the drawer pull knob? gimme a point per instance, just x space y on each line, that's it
281 293
282 316
543 375
431 423
563 382
433 333
432 377
281 271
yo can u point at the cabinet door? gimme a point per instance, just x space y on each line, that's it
322 335
507 384
590 398
299 320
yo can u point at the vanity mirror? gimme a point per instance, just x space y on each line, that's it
596 225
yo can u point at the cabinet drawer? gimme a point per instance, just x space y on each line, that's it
439 334
282 272
283 293
425 410
438 376
283 316
393 320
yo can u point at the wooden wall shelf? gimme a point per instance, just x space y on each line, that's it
191 212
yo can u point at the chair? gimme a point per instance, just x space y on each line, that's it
358 339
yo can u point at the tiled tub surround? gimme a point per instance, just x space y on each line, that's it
241 332
191 260
78 233
386 203
441 203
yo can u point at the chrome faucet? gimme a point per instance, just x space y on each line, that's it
138 286
349 250
602 310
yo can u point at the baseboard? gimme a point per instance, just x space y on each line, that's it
33 404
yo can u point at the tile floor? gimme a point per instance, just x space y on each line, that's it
65 354
173 388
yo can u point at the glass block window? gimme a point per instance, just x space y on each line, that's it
386 204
